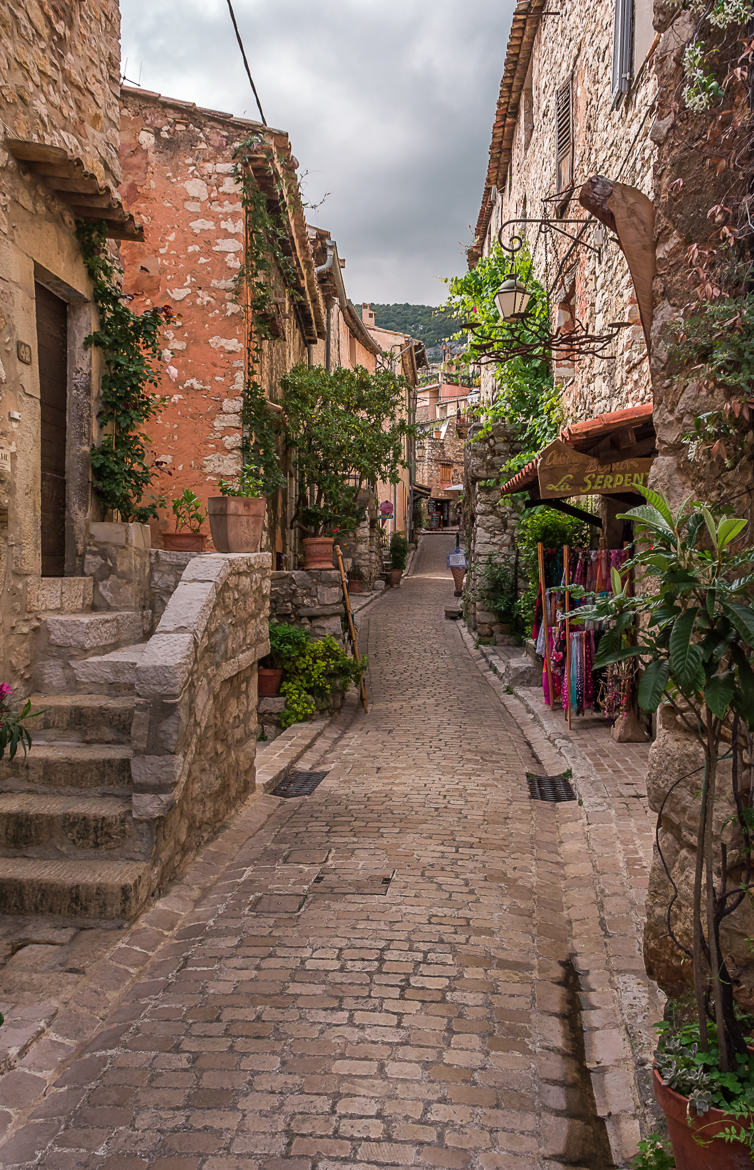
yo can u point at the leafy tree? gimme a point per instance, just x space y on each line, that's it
424 322
348 430
527 400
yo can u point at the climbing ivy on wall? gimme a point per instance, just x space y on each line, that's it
130 346
264 257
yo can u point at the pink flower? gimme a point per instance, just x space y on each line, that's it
5 691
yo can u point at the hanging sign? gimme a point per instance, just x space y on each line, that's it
564 472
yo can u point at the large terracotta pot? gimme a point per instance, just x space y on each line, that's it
689 1153
355 586
458 576
236 523
269 679
184 541
318 552
394 577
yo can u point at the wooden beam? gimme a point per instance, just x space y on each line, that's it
566 509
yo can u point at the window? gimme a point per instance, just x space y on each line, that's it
446 473
564 137
623 36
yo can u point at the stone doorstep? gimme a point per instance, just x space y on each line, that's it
615 1070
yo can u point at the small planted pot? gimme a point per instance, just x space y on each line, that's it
269 679
694 1139
318 552
394 577
236 523
184 541
355 586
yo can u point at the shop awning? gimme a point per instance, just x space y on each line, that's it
611 440
66 175
420 489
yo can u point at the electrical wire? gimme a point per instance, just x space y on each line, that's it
245 61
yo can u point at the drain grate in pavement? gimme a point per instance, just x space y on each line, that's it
334 882
553 789
299 783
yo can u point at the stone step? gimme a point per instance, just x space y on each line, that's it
30 820
106 767
83 718
60 594
115 672
81 634
110 889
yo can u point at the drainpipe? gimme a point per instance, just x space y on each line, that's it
323 270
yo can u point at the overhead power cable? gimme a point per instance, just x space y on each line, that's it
245 61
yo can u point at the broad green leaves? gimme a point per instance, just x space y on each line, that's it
652 684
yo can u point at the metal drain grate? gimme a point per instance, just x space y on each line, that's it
553 789
299 783
335 882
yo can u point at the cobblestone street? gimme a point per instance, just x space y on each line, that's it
379 977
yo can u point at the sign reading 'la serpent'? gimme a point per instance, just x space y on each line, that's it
564 472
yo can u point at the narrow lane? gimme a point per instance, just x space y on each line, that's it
379 979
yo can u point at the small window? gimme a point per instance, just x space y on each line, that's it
623 48
564 137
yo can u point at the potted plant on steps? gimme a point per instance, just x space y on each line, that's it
692 632
189 517
287 642
236 516
398 558
356 579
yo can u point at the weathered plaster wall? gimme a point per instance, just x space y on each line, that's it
178 179
59 74
577 41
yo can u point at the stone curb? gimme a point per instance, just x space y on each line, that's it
618 1058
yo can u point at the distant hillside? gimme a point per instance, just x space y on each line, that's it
423 322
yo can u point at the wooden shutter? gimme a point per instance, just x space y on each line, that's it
623 40
564 137
52 325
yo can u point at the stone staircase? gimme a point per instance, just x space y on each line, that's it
69 844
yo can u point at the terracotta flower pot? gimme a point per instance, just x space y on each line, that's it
236 523
355 586
184 541
318 552
458 576
394 577
269 679
692 1137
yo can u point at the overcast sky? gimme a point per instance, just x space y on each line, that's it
388 104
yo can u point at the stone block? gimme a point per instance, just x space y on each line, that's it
188 609
156 773
165 664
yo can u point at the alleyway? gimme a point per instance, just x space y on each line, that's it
379 978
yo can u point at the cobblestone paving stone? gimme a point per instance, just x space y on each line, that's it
420 1020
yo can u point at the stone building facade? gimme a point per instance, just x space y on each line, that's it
59 81
441 416
178 177
559 122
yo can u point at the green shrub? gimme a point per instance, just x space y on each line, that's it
286 643
497 587
318 669
398 550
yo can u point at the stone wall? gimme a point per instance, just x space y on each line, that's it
611 141
490 527
310 598
59 80
685 187
196 727
118 562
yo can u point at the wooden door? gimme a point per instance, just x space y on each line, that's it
52 350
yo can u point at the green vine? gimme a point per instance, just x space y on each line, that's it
130 347
256 287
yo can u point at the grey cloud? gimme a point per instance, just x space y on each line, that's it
388 104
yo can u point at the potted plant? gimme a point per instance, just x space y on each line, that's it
356 579
317 679
236 516
189 517
398 558
286 643
13 733
693 634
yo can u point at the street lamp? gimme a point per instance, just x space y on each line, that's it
512 299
